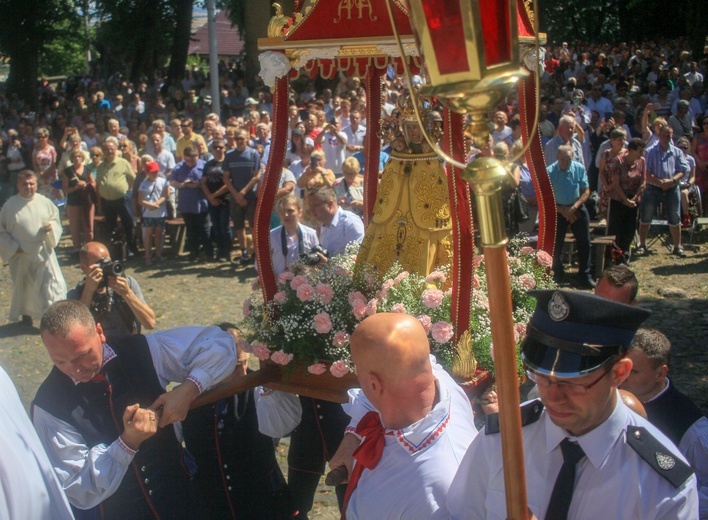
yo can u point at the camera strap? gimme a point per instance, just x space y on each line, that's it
284 242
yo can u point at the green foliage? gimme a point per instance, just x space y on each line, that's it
65 56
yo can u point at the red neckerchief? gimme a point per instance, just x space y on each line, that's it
368 453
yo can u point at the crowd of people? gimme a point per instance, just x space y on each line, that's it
624 127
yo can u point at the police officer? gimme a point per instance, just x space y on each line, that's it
586 455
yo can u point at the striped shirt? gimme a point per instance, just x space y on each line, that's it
665 164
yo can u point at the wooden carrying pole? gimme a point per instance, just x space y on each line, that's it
487 175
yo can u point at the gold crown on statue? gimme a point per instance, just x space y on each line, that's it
404 111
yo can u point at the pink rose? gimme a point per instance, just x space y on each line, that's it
246 307
426 322
297 282
385 287
442 331
244 345
325 292
432 298
399 307
281 357
340 339
339 369
305 292
285 277
527 281
322 323
359 309
448 292
356 296
280 297
475 282
317 369
400 277
372 306
477 261
519 331
544 258
260 351
436 276
526 250
340 271
514 262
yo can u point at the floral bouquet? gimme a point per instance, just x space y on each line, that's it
316 309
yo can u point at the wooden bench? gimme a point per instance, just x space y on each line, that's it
177 231
598 250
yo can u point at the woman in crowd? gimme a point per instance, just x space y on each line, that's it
130 154
627 173
44 160
152 197
526 188
213 186
350 188
79 188
688 180
73 143
289 241
297 143
699 150
617 138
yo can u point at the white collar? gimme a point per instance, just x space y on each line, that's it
423 434
598 442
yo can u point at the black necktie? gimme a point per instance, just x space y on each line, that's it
562 494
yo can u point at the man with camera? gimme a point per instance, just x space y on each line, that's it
115 300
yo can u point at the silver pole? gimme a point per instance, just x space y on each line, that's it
213 59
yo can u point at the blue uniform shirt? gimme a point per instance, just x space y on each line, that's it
569 184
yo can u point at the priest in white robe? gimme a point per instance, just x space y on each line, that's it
30 229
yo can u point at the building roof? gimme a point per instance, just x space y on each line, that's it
228 38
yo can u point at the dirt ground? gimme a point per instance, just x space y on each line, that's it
183 293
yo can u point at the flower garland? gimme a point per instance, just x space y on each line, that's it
316 309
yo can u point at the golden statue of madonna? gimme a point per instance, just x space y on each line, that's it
411 223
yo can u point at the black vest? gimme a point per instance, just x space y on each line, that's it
156 484
238 474
673 413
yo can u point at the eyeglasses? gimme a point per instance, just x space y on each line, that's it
95 155
43 136
564 386
185 126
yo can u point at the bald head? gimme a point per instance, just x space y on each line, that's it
391 354
91 253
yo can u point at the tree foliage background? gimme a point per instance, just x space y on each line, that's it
138 37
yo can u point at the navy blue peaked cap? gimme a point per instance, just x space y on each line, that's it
573 333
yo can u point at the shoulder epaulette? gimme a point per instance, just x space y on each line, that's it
658 456
530 412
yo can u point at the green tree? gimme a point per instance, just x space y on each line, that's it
64 56
27 27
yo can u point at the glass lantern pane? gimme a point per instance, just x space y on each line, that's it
444 20
495 30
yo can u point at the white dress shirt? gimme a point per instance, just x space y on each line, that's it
90 474
346 227
418 462
280 261
612 482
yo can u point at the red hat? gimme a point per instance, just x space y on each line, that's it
152 167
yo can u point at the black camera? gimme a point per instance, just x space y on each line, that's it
311 257
110 268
